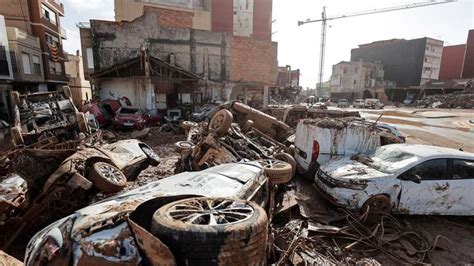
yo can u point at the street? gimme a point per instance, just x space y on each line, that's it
447 128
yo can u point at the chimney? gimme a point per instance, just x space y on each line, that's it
78 53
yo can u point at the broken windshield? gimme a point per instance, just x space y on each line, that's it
388 159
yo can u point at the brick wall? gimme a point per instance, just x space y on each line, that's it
252 60
468 69
173 18
452 62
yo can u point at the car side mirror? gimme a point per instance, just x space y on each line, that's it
411 177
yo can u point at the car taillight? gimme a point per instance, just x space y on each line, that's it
315 154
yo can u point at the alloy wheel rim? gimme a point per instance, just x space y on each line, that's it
211 212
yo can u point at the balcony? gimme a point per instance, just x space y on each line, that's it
57 5
63 33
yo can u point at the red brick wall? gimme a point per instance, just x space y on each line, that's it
223 16
252 60
468 70
452 61
262 19
173 18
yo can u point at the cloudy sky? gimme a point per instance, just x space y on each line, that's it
299 46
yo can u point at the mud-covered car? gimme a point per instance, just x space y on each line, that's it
403 179
63 179
41 115
215 216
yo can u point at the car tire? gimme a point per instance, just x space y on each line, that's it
221 122
17 137
153 158
285 157
108 178
82 122
239 240
378 204
182 146
278 172
15 98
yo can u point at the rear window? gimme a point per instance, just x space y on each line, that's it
130 111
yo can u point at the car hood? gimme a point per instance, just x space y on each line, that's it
345 168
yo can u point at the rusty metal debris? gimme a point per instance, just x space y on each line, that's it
235 133
39 116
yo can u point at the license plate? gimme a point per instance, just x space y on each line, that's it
128 124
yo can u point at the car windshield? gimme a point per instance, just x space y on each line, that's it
388 159
130 111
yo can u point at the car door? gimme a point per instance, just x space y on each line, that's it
429 194
461 196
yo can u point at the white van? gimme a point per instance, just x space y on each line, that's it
320 140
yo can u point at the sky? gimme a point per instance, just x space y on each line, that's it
299 46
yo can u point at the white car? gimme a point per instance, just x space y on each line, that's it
403 179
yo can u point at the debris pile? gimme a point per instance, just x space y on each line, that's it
452 101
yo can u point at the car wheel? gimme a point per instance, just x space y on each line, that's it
153 158
184 146
188 125
285 157
82 122
221 122
17 137
278 172
107 178
377 204
209 231
15 98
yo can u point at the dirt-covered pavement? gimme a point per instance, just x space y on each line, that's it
440 127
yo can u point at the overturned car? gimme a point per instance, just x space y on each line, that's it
42 115
216 216
63 177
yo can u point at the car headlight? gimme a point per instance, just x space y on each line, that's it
48 244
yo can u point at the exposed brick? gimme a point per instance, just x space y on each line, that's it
173 18
252 60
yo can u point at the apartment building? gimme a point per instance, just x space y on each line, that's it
407 62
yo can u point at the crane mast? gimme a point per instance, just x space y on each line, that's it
324 20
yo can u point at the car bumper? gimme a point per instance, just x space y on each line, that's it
346 198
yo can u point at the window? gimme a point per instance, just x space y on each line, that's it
344 70
36 65
3 62
90 58
51 40
55 67
48 14
463 169
355 82
430 170
25 59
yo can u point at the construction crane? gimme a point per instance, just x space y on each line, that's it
324 19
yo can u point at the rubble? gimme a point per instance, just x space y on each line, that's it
43 115
451 101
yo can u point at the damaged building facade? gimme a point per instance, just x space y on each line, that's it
359 80
202 51
410 63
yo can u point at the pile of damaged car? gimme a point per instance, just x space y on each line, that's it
247 189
